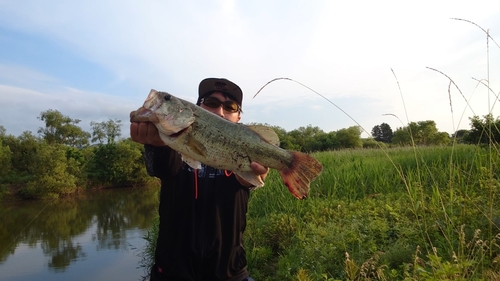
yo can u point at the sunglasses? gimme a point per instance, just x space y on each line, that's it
229 105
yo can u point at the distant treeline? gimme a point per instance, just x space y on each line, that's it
64 159
310 139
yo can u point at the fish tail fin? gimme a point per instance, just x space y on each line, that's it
302 171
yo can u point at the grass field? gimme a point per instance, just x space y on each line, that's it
424 213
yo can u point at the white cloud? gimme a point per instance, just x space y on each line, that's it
345 51
22 107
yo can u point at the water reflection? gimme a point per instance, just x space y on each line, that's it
75 229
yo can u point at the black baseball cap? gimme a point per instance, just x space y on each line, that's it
210 85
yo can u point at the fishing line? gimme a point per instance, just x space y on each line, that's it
15 238
343 111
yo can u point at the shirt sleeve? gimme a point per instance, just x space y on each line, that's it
161 161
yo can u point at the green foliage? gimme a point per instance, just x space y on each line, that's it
402 137
328 141
460 136
23 153
109 130
117 164
5 164
60 129
382 133
49 170
305 137
51 176
468 263
5 161
483 131
371 143
350 137
310 139
420 133
148 253
76 161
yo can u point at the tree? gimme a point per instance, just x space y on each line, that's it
383 133
402 137
5 156
460 136
304 137
372 143
117 164
60 129
286 140
327 141
420 133
483 131
51 176
350 137
5 160
24 149
109 130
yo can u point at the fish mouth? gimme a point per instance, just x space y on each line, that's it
178 134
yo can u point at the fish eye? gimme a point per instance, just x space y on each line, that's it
167 97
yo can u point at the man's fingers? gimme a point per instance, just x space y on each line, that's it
134 131
143 130
258 168
152 132
145 133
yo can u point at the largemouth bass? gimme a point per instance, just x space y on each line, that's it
203 137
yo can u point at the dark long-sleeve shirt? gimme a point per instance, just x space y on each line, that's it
202 220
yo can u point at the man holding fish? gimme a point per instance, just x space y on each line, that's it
202 211
207 166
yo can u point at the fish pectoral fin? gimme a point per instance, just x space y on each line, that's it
251 178
196 146
266 133
191 162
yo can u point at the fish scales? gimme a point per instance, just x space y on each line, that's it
224 137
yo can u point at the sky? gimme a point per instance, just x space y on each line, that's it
351 63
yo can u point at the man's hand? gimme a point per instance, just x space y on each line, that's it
145 133
258 169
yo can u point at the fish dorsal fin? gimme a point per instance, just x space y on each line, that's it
266 133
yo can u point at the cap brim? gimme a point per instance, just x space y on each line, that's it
211 85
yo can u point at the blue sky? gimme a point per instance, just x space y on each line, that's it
98 60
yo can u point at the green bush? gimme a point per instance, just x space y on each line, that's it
5 161
51 176
5 170
117 164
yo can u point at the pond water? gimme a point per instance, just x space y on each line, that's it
97 236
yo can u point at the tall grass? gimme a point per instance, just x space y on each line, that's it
379 211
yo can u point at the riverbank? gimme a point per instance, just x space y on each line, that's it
12 193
